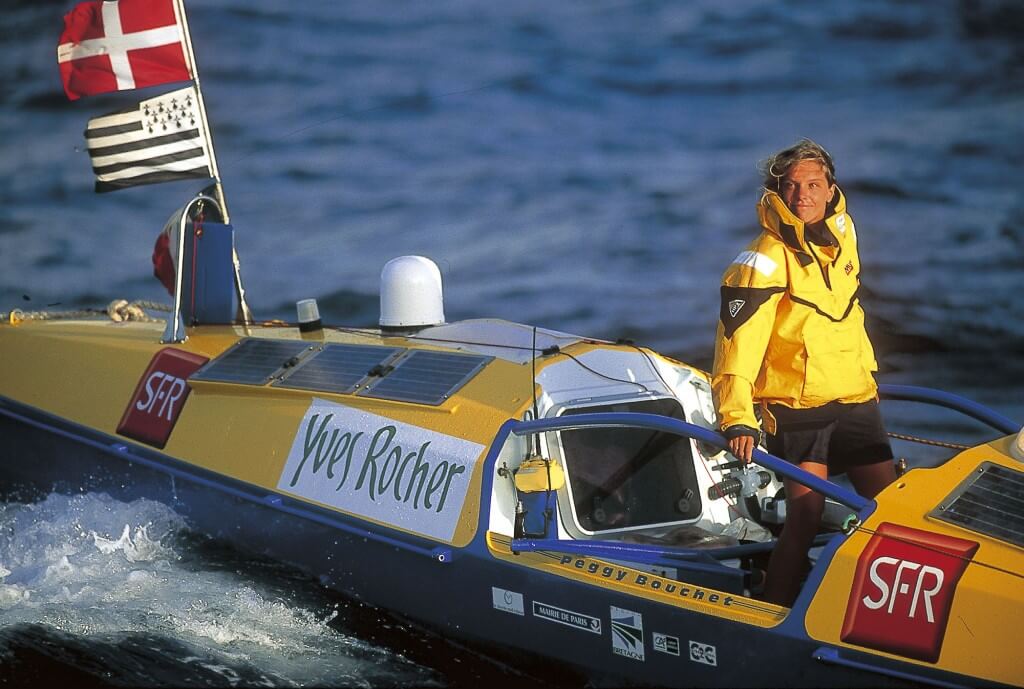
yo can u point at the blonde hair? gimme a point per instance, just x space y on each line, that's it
773 169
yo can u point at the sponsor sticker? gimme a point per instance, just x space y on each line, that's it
663 643
703 653
903 590
576 620
159 397
402 475
507 601
627 633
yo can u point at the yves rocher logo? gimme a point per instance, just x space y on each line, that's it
903 590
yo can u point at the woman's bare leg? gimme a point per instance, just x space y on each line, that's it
870 479
803 517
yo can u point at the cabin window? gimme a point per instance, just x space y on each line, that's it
629 478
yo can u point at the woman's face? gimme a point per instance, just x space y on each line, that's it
806 190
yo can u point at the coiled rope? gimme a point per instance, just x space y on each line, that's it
119 310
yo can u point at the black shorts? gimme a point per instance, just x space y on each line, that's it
838 435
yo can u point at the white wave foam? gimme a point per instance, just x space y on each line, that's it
138 549
92 565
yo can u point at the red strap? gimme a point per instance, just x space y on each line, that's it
163 265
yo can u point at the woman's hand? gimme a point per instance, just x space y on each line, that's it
742 448
742 441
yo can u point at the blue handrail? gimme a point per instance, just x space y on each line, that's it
912 393
670 425
654 554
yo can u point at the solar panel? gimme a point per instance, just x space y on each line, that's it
990 501
426 377
337 368
253 361
392 373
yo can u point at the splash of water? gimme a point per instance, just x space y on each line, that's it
112 575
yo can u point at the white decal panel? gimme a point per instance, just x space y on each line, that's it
576 620
706 654
627 633
663 643
396 473
507 601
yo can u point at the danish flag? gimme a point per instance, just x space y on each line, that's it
119 45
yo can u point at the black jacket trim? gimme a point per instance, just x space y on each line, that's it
824 270
740 303
788 234
849 307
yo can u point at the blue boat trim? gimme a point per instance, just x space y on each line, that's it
633 552
941 398
832 656
487 483
641 551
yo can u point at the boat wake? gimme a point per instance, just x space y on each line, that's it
122 593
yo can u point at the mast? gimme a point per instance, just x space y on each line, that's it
190 59
244 314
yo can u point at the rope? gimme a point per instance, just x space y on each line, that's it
926 441
118 311
857 526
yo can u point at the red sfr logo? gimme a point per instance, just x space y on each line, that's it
159 397
165 389
927 583
903 590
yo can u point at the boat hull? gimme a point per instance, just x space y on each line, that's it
459 592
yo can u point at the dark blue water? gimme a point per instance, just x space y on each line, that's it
582 165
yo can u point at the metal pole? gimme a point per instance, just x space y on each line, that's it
244 313
174 333
190 57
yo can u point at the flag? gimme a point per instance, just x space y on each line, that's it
161 140
121 45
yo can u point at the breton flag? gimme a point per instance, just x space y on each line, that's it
119 45
160 140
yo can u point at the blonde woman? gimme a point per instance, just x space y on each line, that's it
791 341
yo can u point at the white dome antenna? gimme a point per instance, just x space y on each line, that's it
410 294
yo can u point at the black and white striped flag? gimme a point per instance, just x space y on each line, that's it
161 140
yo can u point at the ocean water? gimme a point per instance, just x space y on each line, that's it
586 165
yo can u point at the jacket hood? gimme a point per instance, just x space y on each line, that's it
777 219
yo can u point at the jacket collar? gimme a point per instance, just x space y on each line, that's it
778 220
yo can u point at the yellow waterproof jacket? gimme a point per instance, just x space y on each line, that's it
791 329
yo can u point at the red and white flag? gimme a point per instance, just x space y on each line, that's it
119 45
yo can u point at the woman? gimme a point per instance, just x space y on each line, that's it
791 339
